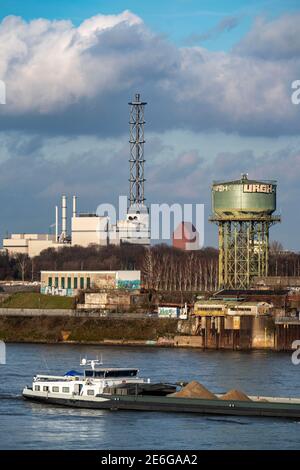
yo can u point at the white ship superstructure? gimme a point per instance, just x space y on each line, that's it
92 382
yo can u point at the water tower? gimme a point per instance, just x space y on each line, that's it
243 210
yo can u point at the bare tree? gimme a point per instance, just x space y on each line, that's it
23 262
276 247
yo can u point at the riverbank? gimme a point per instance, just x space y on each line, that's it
54 329
34 327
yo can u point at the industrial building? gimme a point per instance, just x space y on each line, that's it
243 210
216 308
233 324
91 228
30 244
69 283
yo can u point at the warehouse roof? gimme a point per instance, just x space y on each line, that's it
247 292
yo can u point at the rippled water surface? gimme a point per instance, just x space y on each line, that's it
24 425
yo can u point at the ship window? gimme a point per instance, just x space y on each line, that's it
66 390
45 388
55 389
94 373
90 392
121 373
99 373
37 388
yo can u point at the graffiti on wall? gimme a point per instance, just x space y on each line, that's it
51 290
132 285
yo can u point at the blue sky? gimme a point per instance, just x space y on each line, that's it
217 78
176 18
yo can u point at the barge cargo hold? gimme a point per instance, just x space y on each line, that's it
258 406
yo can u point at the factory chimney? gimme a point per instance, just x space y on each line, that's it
74 205
56 224
64 217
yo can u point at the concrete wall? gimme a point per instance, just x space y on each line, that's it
36 312
263 333
188 341
105 300
233 332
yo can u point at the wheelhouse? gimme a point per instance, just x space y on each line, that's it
111 373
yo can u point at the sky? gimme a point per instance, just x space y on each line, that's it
217 77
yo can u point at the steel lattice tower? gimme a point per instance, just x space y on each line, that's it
243 210
243 250
137 161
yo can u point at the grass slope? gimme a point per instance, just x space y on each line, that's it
36 300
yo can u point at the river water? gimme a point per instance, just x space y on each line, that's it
24 425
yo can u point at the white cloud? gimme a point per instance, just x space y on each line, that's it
47 66
62 79
98 23
273 40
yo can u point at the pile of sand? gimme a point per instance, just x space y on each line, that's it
194 390
235 395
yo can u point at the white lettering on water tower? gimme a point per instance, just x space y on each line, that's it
258 188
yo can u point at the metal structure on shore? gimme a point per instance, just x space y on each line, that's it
243 210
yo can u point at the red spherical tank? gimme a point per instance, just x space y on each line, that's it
185 237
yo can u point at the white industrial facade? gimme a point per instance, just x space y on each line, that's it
134 229
86 229
30 244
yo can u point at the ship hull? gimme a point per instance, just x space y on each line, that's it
172 404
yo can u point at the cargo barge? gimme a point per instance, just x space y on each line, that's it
274 407
121 389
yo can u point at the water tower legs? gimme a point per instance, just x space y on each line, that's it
243 251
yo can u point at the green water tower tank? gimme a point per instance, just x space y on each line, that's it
243 198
